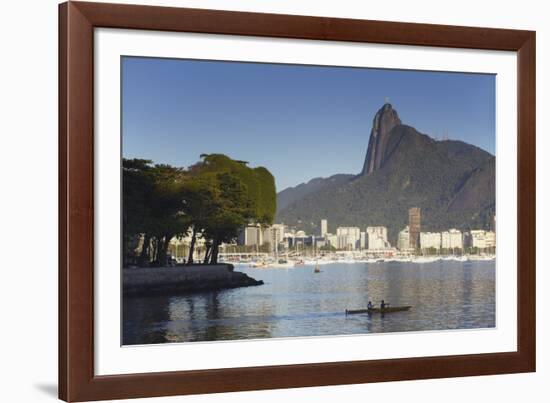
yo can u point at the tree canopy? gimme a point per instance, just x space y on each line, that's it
215 198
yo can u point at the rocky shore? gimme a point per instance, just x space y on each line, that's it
183 279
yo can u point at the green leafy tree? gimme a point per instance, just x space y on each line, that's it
233 210
199 204
213 199
168 217
237 195
260 184
138 188
152 210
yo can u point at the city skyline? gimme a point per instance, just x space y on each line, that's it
314 120
373 239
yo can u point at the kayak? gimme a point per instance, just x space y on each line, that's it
388 309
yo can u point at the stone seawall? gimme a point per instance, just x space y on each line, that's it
183 279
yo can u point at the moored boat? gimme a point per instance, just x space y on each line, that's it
283 264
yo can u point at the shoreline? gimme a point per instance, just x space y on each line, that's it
303 261
146 281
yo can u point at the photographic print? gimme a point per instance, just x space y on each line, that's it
268 200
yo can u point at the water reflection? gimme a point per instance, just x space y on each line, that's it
296 302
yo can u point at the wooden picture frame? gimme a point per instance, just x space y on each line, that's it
77 21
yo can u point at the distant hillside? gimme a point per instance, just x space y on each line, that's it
451 181
480 181
292 194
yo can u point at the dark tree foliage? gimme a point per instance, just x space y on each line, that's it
152 211
259 183
213 199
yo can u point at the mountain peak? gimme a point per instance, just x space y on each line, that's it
384 121
387 106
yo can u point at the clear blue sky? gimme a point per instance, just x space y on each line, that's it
300 122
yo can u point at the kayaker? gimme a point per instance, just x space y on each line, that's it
369 305
383 304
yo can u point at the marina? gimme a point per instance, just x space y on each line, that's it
269 261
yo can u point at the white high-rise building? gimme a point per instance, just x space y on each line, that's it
403 239
251 235
346 242
324 227
273 235
430 240
348 237
332 239
451 239
490 239
377 238
483 239
363 240
279 230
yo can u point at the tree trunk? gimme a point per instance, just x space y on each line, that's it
166 245
155 251
192 246
207 253
162 250
126 257
215 251
144 255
